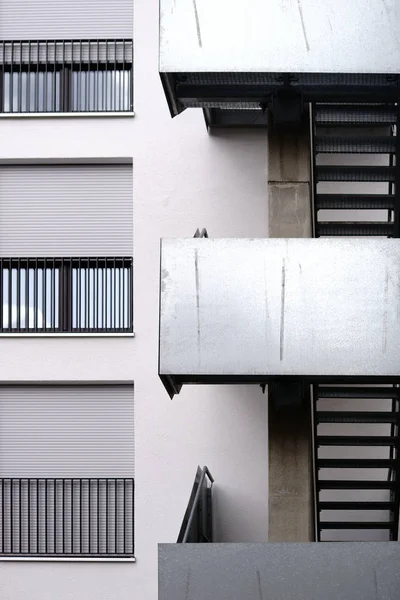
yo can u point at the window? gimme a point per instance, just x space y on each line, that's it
66 237
66 76
67 490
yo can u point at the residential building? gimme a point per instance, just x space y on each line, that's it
96 462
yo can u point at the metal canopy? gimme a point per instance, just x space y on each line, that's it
276 571
248 310
236 55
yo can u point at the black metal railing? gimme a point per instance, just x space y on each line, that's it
197 523
54 76
67 295
67 517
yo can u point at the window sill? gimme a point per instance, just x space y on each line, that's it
66 559
61 115
66 335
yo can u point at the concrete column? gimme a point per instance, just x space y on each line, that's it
289 184
291 498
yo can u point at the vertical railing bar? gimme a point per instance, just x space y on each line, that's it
9 297
88 296
55 78
3 521
55 516
18 299
28 83
11 90
37 76
98 517
87 80
98 76
20 79
27 269
105 325
72 517
36 297
80 81
29 515
37 517
45 103
79 287
114 271
125 87
63 515
44 294
106 515
131 297
115 76
89 519
45 516
20 516
115 518
123 516
80 516
105 106
122 316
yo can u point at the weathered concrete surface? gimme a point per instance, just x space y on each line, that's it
289 210
291 500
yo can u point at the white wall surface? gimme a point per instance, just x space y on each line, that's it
183 179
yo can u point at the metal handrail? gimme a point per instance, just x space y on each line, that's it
194 503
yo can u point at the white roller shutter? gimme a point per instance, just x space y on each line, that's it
66 431
65 19
66 210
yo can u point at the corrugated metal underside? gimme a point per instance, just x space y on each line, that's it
275 571
248 91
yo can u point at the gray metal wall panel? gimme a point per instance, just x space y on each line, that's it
64 431
367 571
66 210
65 19
236 307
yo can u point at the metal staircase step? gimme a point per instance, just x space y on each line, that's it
343 484
357 463
344 228
356 114
357 524
355 201
383 393
355 145
357 440
325 505
326 416
355 173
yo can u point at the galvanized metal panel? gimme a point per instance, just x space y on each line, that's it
65 19
275 307
279 571
297 36
66 210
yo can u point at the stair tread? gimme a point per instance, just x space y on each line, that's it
355 173
355 201
339 144
383 393
356 524
343 484
327 416
357 440
357 228
357 463
351 505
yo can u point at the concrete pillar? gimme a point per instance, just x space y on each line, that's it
291 498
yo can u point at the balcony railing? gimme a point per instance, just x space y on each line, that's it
66 76
67 517
66 295
197 526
